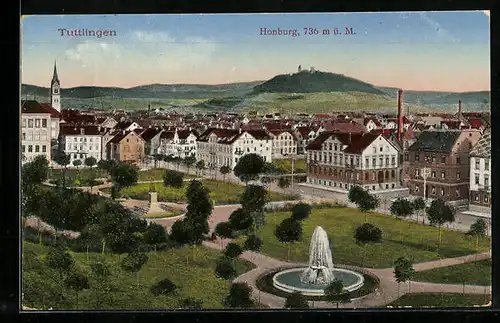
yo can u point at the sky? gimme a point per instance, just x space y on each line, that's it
435 51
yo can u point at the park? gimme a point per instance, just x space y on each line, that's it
229 243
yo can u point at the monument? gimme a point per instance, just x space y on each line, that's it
154 207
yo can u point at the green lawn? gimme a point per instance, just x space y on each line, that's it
286 165
400 238
156 174
473 273
42 286
162 215
221 192
77 177
441 300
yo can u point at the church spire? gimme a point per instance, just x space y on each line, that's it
54 77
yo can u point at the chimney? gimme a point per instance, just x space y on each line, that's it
460 110
400 113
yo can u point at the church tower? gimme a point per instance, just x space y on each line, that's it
55 89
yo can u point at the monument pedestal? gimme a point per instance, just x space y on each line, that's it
153 203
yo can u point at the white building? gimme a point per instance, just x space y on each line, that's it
178 143
81 142
35 131
224 147
341 160
480 174
284 143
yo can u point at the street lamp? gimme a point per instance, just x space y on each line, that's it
425 173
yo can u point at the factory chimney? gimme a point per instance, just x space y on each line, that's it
460 110
400 114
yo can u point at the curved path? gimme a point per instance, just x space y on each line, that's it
386 293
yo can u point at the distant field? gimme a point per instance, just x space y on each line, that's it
285 165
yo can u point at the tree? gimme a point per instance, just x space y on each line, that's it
224 230
199 210
283 183
249 167
369 202
301 211
367 233
356 194
155 234
77 282
90 161
239 296
59 259
477 229
401 208
335 293
107 165
173 178
288 231
254 198
403 271
419 205
101 272
439 213
189 162
225 268
124 174
89 237
191 304
296 300
253 243
35 172
134 262
232 250
77 162
224 170
163 287
200 166
240 220
181 232
63 160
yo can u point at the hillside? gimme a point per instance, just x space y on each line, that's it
433 98
313 82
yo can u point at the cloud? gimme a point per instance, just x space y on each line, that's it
487 12
442 34
94 53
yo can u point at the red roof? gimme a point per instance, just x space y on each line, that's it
356 142
53 112
32 106
476 123
68 130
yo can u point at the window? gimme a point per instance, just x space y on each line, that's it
427 158
393 173
44 123
417 157
407 157
24 123
37 149
366 176
373 187
367 162
373 178
433 190
458 175
476 179
477 163
433 174
24 148
37 123
393 160
486 180
443 159
330 147
75 156
81 156
442 191
44 149
387 161
458 160
81 139
486 197
443 174
30 123
433 159
30 148
416 188
24 136
417 171
476 197
457 192
374 162
381 149
486 164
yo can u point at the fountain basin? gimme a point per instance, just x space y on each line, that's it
289 281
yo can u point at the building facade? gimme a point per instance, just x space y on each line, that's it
177 143
82 142
445 155
480 174
127 146
341 160
35 131
284 144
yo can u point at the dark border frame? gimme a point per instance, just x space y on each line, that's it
9 148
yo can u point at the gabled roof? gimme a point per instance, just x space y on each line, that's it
53 112
121 135
435 141
222 134
259 134
69 130
32 106
169 135
482 148
355 142
183 134
150 133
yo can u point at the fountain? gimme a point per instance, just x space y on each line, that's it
312 280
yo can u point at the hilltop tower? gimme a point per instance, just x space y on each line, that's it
55 88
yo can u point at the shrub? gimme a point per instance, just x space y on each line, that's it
163 287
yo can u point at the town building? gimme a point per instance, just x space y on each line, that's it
177 143
284 143
224 147
126 146
341 160
151 138
440 159
35 131
81 142
480 174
